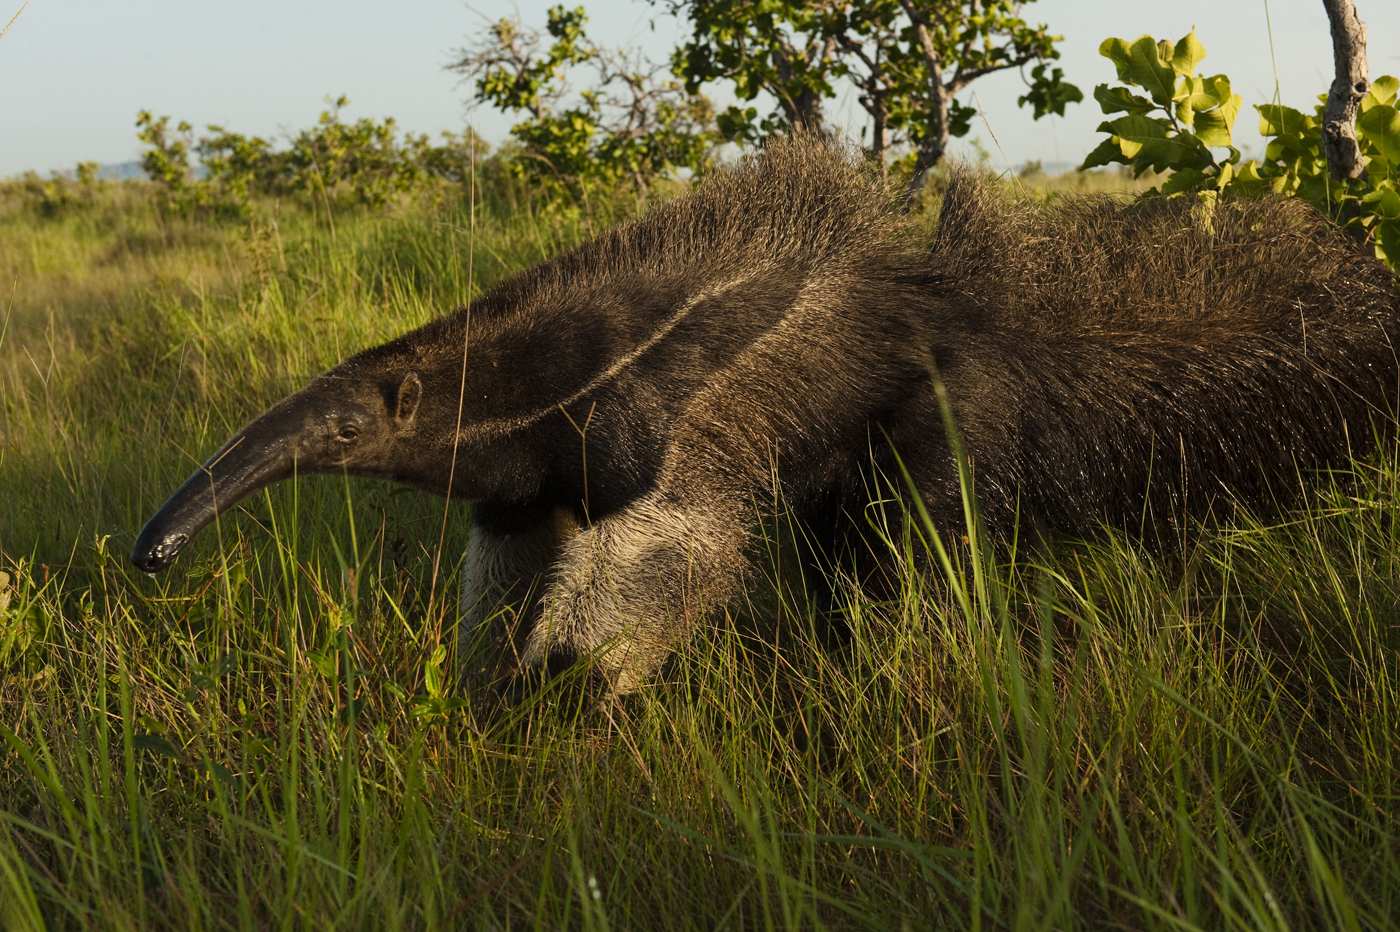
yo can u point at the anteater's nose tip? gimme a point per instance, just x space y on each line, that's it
153 559
147 562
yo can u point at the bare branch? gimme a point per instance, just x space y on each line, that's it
22 7
856 49
963 78
916 15
1348 87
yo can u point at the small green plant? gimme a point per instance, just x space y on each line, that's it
21 621
86 173
48 197
1175 127
1179 123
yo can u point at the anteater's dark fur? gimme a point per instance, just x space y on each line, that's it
1104 362
1147 356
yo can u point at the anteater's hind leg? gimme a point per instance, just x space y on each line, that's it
909 500
630 588
508 561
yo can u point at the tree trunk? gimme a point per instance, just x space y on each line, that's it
875 90
1348 87
931 147
935 138
877 134
807 113
804 109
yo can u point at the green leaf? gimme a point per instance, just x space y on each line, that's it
1141 64
1121 100
1147 143
1381 128
1188 54
324 661
1135 131
960 119
1189 95
1185 179
1217 88
1384 201
1383 90
1105 153
1388 243
1278 120
1213 125
1049 92
1186 114
432 672
1285 184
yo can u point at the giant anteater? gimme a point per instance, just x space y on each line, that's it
784 329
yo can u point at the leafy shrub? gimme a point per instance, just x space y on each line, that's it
332 164
166 160
1185 119
58 193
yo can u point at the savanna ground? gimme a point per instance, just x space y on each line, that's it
269 735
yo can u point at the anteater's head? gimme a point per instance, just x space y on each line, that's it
357 419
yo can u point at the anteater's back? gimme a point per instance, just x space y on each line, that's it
1117 342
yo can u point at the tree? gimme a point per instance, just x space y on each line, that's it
908 59
633 122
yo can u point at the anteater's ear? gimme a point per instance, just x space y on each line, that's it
406 404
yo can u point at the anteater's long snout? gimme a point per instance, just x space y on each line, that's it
156 549
244 464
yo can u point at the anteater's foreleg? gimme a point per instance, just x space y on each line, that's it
630 588
504 575
633 585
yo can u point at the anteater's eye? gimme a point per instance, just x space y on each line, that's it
347 433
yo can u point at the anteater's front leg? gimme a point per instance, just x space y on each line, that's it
509 557
630 587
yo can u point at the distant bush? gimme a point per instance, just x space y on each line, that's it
332 164
60 192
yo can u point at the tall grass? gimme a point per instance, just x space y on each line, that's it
269 736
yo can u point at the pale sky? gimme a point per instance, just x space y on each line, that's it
73 73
